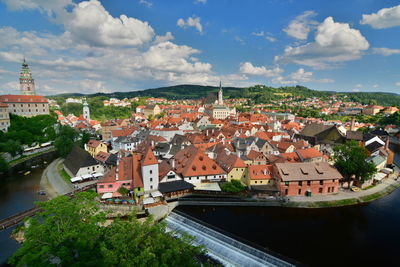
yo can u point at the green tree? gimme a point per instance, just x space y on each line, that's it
123 191
3 164
350 160
70 232
234 186
85 137
65 140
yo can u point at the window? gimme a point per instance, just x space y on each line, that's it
287 183
321 182
151 187
110 186
320 191
101 186
299 191
286 191
255 182
308 182
151 179
300 183
171 176
151 171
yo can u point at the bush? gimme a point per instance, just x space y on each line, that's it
234 186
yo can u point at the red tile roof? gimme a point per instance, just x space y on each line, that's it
260 172
149 158
23 99
309 153
191 161
93 143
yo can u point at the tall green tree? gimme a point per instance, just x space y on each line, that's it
70 232
350 160
65 140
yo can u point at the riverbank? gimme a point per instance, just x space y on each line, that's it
52 182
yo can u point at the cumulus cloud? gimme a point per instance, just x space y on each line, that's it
386 51
190 22
334 42
90 22
384 18
248 68
301 25
51 7
163 38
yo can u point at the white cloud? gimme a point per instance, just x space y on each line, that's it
384 18
190 22
163 38
146 3
375 85
386 51
248 68
301 75
91 23
201 1
301 25
51 7
397 84
261 33
334 42
271 39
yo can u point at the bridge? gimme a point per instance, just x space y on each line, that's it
222 246
19 217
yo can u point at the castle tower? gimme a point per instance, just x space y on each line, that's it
27 83
86 111
220 97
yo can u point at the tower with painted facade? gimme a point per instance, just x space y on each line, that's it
27 83
150 171
86 111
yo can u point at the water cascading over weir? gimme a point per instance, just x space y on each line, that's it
228 251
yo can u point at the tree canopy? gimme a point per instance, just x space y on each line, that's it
234 186
71 232
65 140
350 160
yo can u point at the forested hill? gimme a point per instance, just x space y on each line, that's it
258 93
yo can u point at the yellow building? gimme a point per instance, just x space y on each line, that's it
233 165
94 147
260 175
151 110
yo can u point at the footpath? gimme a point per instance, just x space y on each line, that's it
52 182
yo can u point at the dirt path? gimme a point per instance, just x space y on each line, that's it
52 182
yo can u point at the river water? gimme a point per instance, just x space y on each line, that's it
17 193
367 235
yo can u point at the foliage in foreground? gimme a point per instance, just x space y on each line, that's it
234 186
69 232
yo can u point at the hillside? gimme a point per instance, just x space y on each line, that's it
258 93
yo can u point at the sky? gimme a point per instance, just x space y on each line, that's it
127 45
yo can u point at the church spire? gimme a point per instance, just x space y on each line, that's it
27 83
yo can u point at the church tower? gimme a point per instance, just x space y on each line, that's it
27 83
86 111
220 97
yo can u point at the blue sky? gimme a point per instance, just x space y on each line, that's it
124 45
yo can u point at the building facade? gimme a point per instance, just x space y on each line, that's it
4 117
26 105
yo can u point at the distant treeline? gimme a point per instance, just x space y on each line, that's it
258 94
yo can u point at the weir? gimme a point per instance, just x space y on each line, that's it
229 251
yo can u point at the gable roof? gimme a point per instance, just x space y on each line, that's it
260 172
149 158
307 171
78 158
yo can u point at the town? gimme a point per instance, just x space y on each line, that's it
169 149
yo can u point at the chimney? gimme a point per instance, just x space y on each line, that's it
207 133
173 164
152 143
265 171
353 122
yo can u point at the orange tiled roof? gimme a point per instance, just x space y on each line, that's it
149 158
309 153
23 99
260 172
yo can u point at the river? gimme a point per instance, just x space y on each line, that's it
17 193
349 236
